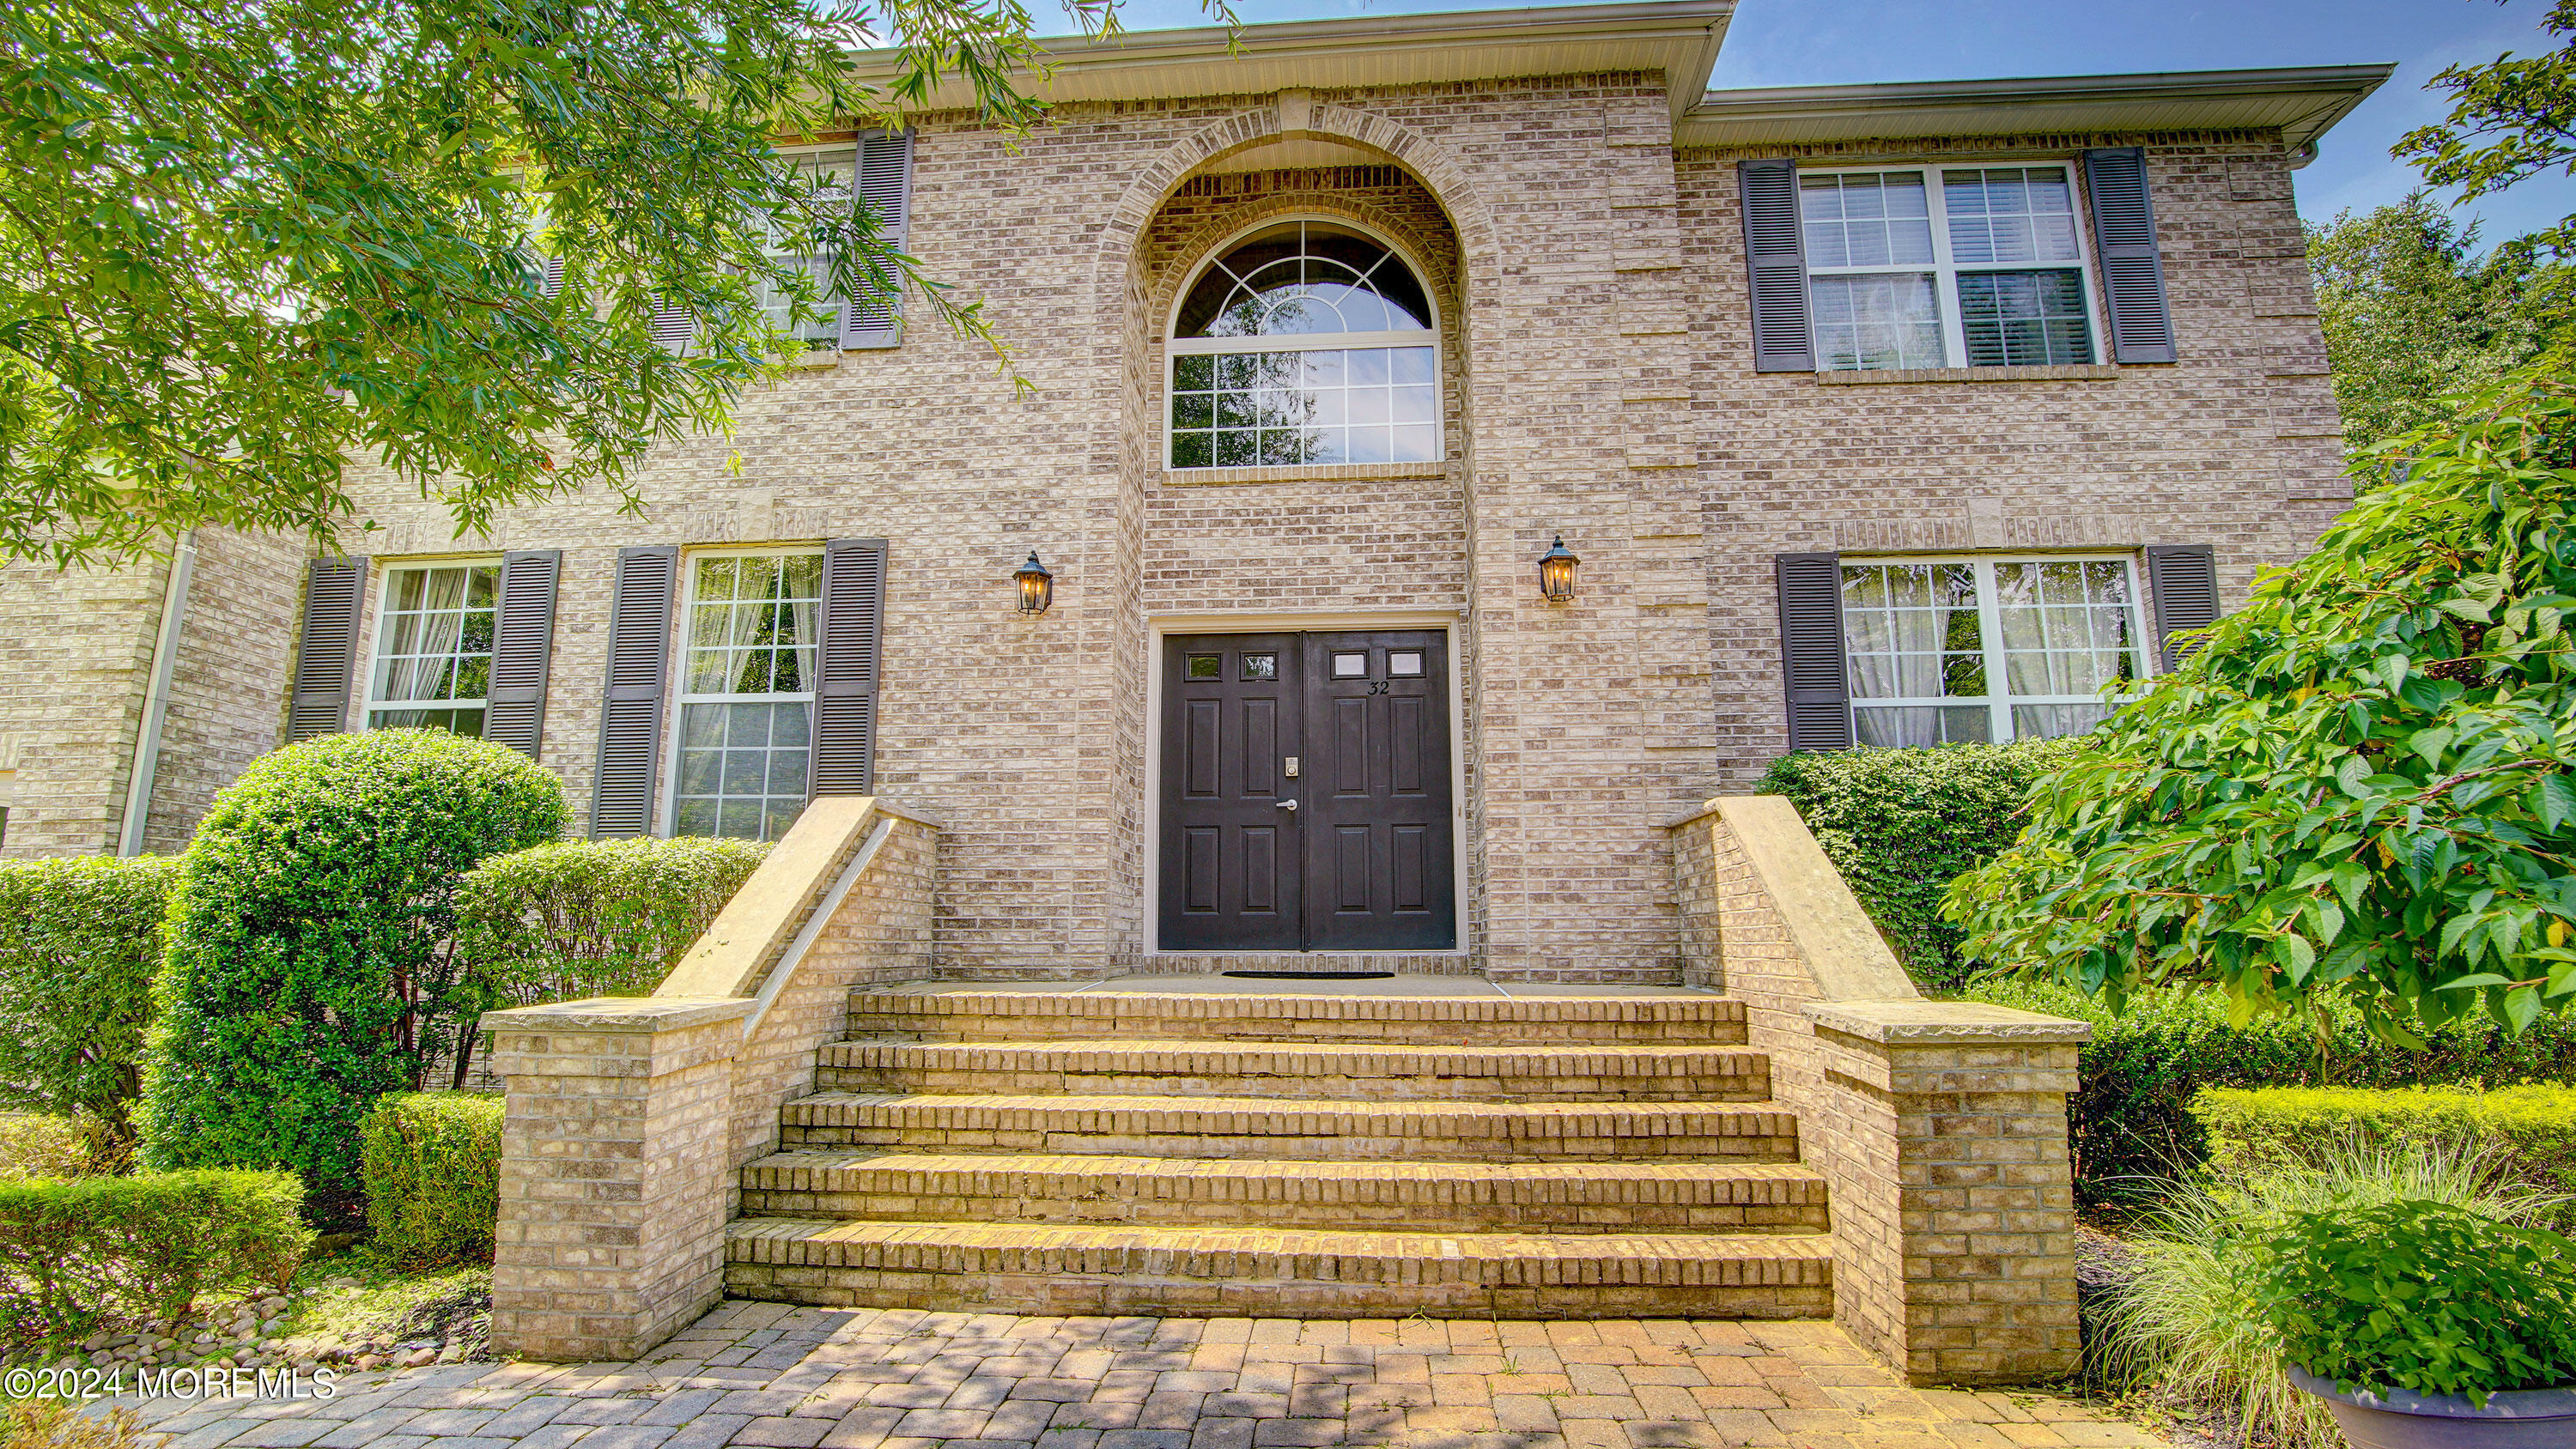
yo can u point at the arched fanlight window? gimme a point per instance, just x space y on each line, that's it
1305 342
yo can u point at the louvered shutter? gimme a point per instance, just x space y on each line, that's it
674 328
523 644
550 278
885 183
845 698
2124 238
2184 578
328 655
630 721
1775 257
1811 645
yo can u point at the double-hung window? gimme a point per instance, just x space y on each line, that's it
830 173
1945 266
1987 649
433 659
747 670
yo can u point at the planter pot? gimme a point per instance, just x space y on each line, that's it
2529 1419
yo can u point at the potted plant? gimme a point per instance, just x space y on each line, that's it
2425 1326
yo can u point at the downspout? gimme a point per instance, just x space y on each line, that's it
156 698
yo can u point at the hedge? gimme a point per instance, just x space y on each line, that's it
2129 1122
1902 824
2532 1127
37 1144
80 941
74 1252
308 970
433 1175
593 917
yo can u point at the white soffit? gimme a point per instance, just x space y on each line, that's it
1678 37
2301 103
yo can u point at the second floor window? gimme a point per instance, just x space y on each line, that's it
1979 266
433 662
746 728
1306 342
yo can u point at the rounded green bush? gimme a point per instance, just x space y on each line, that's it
308 970
433 1165
80 940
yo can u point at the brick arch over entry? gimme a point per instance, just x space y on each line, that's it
1296 117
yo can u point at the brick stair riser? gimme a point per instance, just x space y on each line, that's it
1401 1022
1199 1069
1132 1205
1224 1281
1656 1088
1609 1137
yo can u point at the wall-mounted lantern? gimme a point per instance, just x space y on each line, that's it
1556 572
1037 586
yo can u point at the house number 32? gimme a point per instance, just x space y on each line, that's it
1379 687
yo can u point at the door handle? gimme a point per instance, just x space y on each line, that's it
1283 804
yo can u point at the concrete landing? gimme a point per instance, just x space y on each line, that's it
1400 984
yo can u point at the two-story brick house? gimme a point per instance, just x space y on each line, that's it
1880 414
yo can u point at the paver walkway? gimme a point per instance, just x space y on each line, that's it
764 1374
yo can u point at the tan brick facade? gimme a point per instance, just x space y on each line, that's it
1588 267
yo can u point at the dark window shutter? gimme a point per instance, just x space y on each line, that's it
550 278
2184 578
1811 644
845 698
885 183
674 328
328 655
1776 259
630 721
523 645
2124 238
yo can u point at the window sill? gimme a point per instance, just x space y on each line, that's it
814 357
2074 372
1297 473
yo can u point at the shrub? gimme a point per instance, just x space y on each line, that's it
80 941
145 1247
2187 1324
2422 1296
1902 824
53 1424
433 1175
2129 1121
309 971
2531 1129
33 1144
589 917
2363 784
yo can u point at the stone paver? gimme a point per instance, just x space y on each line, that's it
767 1376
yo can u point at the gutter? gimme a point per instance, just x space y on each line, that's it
156 698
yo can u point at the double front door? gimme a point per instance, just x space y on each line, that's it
1305 793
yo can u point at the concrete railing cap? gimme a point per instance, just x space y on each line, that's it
619 1013
1946 1023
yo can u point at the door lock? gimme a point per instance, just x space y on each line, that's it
1285 805
1289 766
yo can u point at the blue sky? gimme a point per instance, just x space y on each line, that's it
1830 42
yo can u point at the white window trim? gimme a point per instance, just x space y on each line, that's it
1945 271
682 697
1990 637
1174 346
854 147
384 585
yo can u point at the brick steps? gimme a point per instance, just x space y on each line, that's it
986 1015
1410 1196
1263 1272
1312 1131
1363 1071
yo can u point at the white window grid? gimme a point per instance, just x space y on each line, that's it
389 617
683 697
1175 346
1946 269
838 169
1999 700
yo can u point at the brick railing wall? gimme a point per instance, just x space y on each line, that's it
629 1118
1940 1126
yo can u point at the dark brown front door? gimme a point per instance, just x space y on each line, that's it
1306 801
